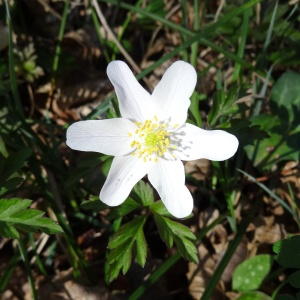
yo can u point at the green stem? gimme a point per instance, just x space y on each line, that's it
12 74
241 50
60 37
24 256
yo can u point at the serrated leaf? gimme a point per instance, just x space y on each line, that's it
126 231
288 252
249 275
187 249
126 260
8 231
125 208
163 229
28 214
180 230
223 105
159 208
117 253
294 280
141 248
11 206
128 238
15 214
143 193
173 231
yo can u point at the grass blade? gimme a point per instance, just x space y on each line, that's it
241 50
59 40
12 74
273 195
225 260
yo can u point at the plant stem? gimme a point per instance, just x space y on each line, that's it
24 256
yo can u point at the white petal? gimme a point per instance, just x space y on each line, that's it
124 173
168 179
198 143
172 93
105 136
134 101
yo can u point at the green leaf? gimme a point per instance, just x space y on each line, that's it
126 231
254 296
125 208
223 105
126 260
11 206
282 143
246 132
282 125
13 163
285 95
288 252
15 215
173 231
159 208
163 229
180 230
94 204
143 193
294 279
250 274
186 248
128 240
141 248
8 231
10 185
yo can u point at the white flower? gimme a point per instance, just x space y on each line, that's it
151 137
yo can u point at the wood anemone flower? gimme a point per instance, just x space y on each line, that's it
151 137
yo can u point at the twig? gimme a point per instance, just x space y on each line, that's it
102 19
221 5
49 8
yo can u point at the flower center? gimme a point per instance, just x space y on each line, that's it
151 140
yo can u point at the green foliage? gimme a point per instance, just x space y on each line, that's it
246 131
15 215
159 208
11 164
127 207
171 231
249 275
128 242
288 256
254 296
282 126
285 97
143 193
223 105
294 279
246 37
26 64
288 252
94 204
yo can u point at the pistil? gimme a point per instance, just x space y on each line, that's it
151 140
